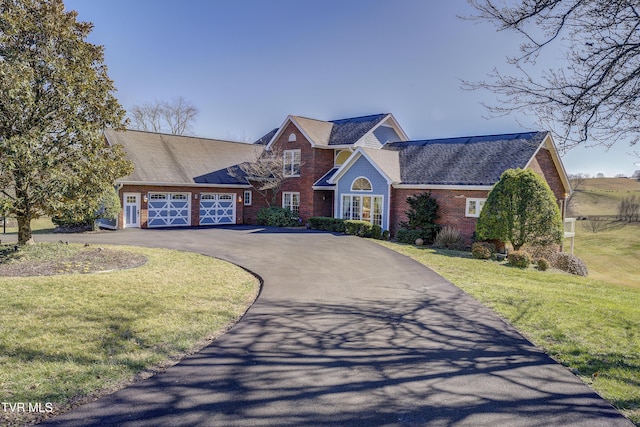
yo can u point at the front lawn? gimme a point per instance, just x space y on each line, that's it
589 325
66 338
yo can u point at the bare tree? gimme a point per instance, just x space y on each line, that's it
594 97
577 181
629 208
266 173
175 117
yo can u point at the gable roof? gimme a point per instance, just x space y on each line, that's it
386 162
338 133
174 159
475 160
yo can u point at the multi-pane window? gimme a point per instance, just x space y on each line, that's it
474 206
291 201
365 208
247 198
291 163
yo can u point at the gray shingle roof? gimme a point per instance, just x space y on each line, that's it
349 131
174 159
322 182
476 160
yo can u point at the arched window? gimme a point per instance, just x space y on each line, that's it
342 157
292 137
361 184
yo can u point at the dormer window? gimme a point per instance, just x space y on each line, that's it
341 157
292 137
361 184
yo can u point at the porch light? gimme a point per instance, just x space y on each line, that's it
239 199
195 196
145 198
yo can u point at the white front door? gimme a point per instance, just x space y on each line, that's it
131 210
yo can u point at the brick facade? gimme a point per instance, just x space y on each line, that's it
195 203
451 208
452 203
315 163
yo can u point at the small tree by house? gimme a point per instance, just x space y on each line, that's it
521 209
266 173
422 216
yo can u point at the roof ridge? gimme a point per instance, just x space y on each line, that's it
359 117
179 136
510 134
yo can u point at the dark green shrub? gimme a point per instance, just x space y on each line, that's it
483 250
519 259
386 235
543 264
449 238
569 263
410 236
358 228
376 232
83 218
274 216
422 215
327 224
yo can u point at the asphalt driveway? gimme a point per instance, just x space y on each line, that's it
345 332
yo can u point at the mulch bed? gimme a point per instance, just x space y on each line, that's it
88 260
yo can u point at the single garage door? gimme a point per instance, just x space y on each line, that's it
169 209
217 209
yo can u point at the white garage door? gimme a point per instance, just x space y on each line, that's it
169 209
217 209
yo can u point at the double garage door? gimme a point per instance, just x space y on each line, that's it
174 209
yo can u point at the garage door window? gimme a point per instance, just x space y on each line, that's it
217 208
169 209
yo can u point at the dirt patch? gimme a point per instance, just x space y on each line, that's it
86 260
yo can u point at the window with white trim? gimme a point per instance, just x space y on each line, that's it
248 197
291 162
361 184
361 207
292 137
474 207
291 201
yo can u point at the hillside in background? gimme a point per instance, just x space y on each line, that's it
601 196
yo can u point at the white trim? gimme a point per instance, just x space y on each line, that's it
292 193
480 201
178 184
285 155
281 130
138 196
215 216
442 187
244 198
187 198
394 125
363 191
548 143
354 157
362 195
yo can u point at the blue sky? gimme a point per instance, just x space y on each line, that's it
247 64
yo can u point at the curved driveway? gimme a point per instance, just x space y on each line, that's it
345 332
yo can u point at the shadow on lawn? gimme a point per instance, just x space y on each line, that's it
420 361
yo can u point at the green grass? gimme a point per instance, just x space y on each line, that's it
40 225
601 196
611 255
589 325
63 338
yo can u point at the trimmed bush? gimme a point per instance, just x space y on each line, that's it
449 238
327 224
386 235
483 250
376 232
274 216
519 259
546 251
410 236
569 263
543 264
358 228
